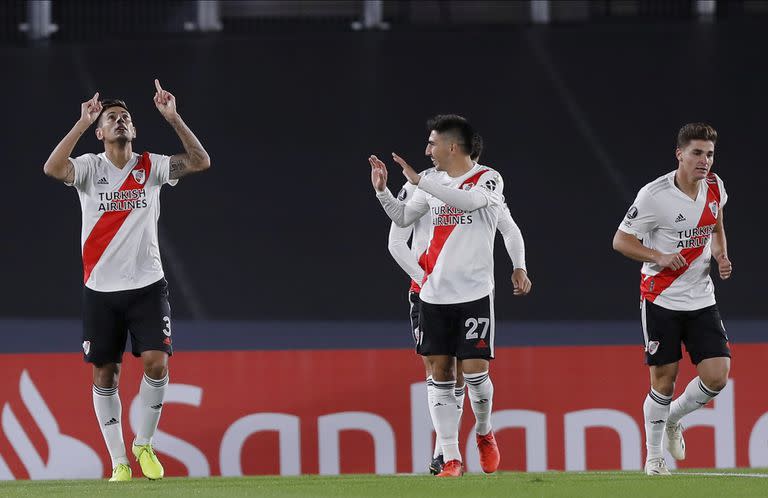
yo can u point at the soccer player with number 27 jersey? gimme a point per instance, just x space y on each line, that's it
463 200
410 260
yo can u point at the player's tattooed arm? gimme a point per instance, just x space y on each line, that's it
194 158
177 166
70 178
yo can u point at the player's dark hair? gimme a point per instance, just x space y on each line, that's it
455 125
477 147
106 104
695 131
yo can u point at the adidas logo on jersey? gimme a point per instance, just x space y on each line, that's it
102 181
679 218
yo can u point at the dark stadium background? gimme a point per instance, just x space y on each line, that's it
577 117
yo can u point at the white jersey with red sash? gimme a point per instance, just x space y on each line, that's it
669 221
120 211
458 260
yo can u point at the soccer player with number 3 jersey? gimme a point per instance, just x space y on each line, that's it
124 285
463 200
675 228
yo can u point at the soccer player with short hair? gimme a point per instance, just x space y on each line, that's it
125 290
456 317
408 259
675 227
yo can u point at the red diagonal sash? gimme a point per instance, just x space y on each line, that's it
110 222
440 234
652 286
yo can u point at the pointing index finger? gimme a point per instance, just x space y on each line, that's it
158 87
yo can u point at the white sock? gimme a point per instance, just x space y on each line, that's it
151 396
655 413
447 419
106 404
431 401
695 396
459 392
481 397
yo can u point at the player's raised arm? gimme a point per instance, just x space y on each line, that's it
403 214
194 158
58 165
466 200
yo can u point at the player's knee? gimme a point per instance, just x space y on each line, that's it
156 370
664 386
443 373
107 377
716 383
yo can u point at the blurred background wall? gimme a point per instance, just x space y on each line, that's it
289 100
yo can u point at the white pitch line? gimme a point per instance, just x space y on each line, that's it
676 473
726 474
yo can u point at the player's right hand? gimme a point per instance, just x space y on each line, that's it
673 261
90 110
378 174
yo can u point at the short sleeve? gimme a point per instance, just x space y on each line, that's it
162 169
491 186
641 217
723 193
85 166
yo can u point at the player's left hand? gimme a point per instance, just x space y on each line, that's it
378 174
165 101
521 282
408 171
724 266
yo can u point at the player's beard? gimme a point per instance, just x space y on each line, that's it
121 140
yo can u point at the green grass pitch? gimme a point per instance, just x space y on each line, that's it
693 484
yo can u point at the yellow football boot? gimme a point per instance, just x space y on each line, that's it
150 465
121 473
